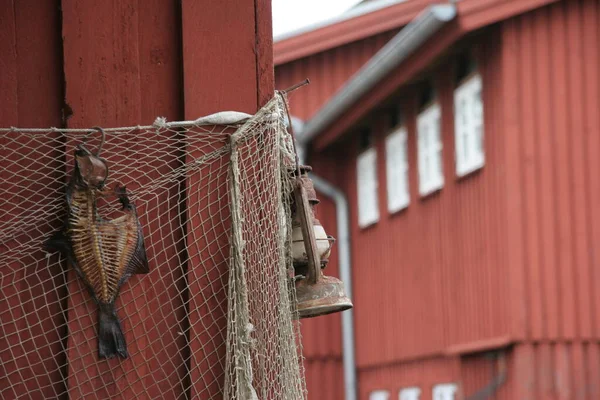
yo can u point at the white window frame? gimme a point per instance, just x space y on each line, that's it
379 395
409 393
367 186
469 125
396 168
444 391
429 148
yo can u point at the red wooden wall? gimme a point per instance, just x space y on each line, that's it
506 253
79 63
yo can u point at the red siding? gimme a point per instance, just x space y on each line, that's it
551 92
433 274
505 252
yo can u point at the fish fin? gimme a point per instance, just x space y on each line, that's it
139 260
58 242
111 340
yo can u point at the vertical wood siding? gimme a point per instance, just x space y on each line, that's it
509 250
551 95
31 94
435 274
119 63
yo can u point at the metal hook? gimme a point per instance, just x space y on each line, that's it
102 139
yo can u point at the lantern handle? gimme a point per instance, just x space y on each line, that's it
308 233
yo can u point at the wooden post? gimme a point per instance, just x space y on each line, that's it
32 361
227 66
122 67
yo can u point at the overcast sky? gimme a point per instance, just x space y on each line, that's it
289 15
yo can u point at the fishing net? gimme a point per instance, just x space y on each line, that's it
214 317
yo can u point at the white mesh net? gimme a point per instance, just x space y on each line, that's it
212 319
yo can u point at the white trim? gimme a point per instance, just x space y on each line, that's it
410 393
396 169
367 186
429 148
379 395
444 391
469 126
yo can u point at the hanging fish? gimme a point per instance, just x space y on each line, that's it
103 252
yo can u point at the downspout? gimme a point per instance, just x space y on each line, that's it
344 262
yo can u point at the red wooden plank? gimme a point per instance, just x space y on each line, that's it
32 298
131 73
523 370
161 95
562 143
544 374
591 33
264 51
580 383
547 182
592 358
102 88
14 322
563 372
530 171
580 175
235 80
513 169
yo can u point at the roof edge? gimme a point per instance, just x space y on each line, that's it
355 12
399 48
347 28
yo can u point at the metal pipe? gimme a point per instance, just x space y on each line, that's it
344 262
398 49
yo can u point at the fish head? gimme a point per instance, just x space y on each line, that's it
91 171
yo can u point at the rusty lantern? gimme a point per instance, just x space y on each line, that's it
316 293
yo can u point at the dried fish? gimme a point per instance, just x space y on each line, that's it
103 252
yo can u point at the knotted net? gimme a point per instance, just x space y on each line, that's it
214 316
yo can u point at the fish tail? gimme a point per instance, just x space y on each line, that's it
111 341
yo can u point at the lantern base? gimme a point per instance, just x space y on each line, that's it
327 296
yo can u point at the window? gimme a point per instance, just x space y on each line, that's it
397 170
379 395
445 391
368 209
431 174
468 125
412 393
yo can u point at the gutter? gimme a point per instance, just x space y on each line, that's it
398 49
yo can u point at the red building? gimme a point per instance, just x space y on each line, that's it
465 138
